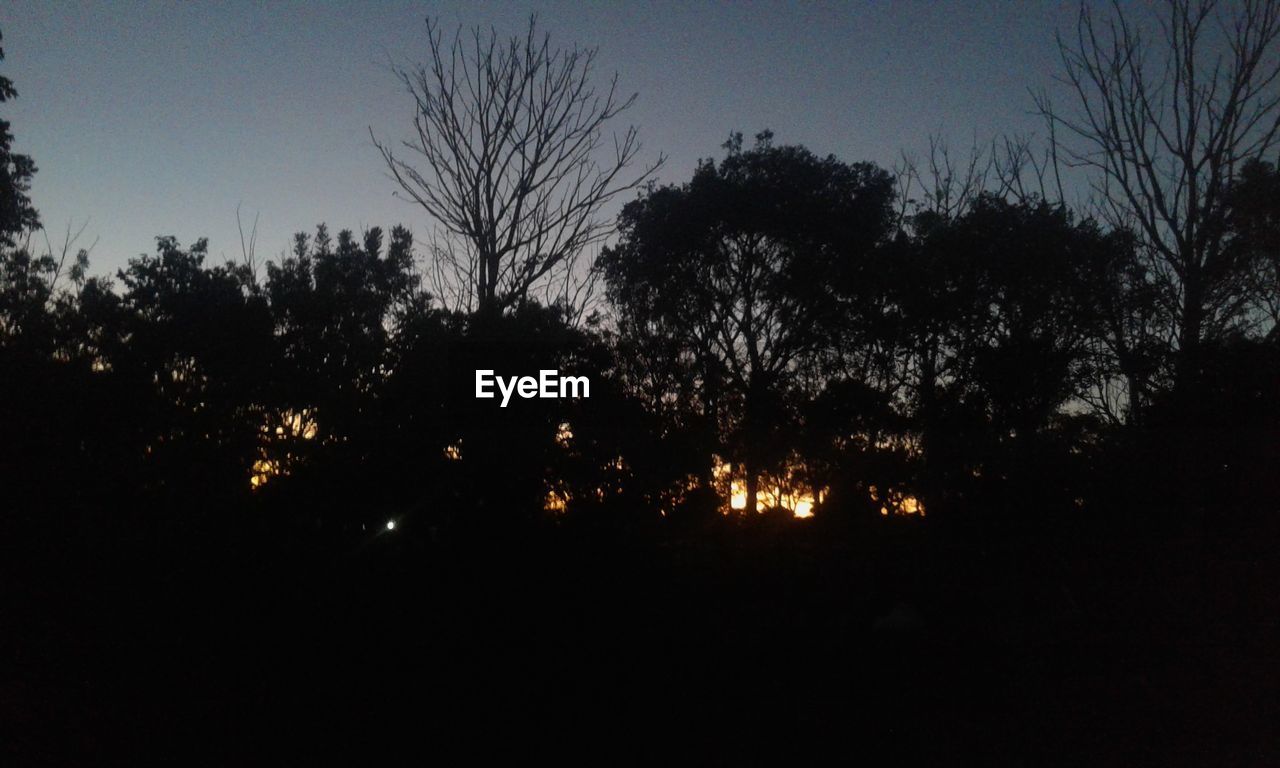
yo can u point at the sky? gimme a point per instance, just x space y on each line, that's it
149 119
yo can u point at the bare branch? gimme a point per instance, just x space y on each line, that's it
509 156
1164 123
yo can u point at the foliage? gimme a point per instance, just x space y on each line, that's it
743 268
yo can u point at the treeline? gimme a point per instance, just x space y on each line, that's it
1003 365
782 333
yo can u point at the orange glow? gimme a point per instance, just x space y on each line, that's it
564 433
291 425
897 502
263 470
769 495
556 502
297 424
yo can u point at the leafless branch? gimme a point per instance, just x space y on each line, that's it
510 157
1163 121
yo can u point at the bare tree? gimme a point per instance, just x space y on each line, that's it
249 246
1024 168
1164 122
944 186
512 160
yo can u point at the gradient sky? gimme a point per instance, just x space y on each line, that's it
160 118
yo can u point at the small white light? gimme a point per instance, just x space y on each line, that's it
391 525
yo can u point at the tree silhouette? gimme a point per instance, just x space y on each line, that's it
1005 319
197 343
16 213
1254 226
511 140
1166 121
741 265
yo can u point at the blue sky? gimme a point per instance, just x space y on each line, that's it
162 118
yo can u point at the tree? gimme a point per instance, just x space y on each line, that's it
26 281
1001 306
195 342
334 306
743 265
16 212
337 308
1254 225
510 138
1165 125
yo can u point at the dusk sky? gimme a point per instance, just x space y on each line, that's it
160 118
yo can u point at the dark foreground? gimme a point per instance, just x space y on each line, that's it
739 647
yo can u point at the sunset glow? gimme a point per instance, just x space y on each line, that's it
798 501
556 502
564 434
273 454
896 502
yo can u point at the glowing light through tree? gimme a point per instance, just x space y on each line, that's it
275 454
772 493
895 501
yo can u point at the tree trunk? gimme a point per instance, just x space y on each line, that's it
751 433
1186 435
927 416
1187 369
753 486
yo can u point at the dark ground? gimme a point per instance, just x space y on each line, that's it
744 647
